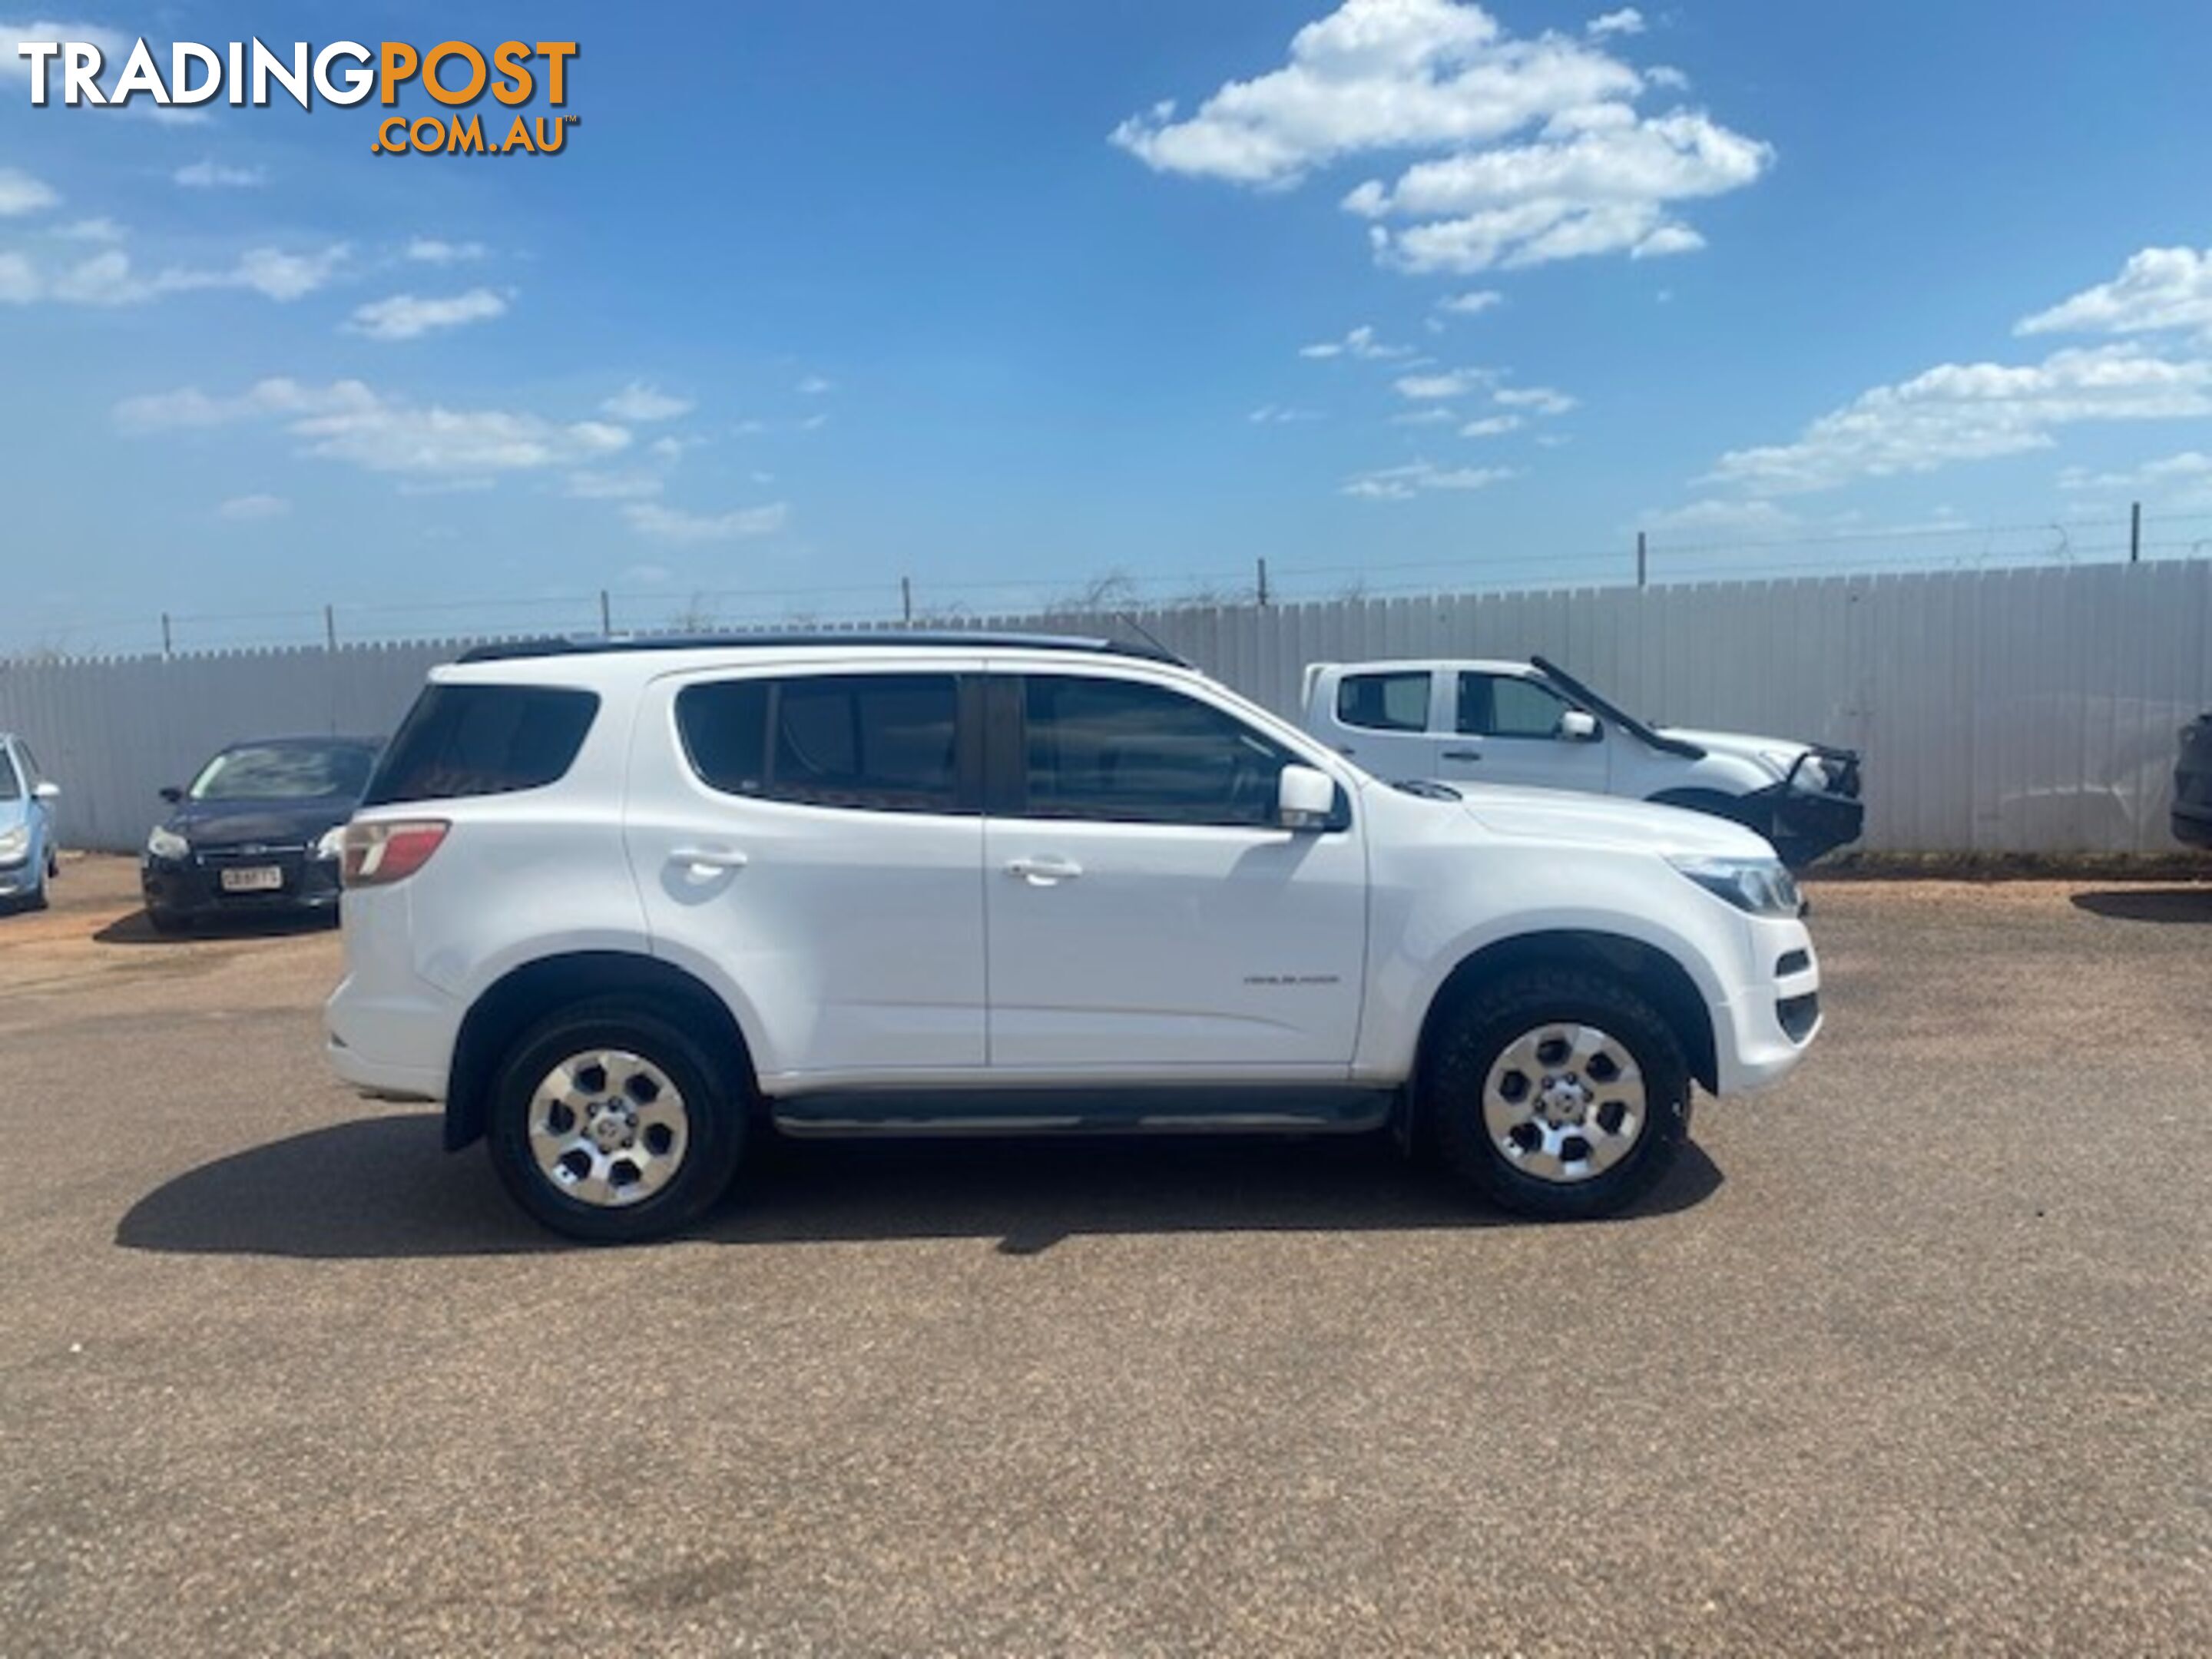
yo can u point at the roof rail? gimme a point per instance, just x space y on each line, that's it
946 638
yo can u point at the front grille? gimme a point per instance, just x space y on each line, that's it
1799 1015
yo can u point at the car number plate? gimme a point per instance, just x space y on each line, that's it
255 878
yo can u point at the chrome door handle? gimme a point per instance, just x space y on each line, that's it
1044 872
1463 754
705 863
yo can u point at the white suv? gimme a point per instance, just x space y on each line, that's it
618 905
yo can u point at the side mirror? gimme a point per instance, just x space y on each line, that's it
1578 726
48 793
1305 799
172 795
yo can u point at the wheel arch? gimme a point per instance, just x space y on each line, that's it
526 993
1655 974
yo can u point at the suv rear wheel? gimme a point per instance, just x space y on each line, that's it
612 1125
1558 1092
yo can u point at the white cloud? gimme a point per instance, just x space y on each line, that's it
2159 288
210 174
814 423
1399 483
113 46
1585 172
100 229
1758 520
1359 343
1472 303
642 403
1281 415
253 509
21 193
1491 426
1667 77
111 279
1973 411
1593 183
404 317
2178 481
1539 399
1449 383
19 283
814 386
1435 416
424 443
673 525
431 250
612 486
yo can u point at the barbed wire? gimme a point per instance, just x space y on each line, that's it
1942 546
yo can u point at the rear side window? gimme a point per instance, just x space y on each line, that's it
882 742
1384 702
483 740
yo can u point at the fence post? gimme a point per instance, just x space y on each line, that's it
1640 561
167 648
906 598
1263 583
330 627
606 616
2135 531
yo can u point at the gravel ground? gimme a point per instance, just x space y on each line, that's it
1910 1356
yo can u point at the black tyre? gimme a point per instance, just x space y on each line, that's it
612 1125
1558 1092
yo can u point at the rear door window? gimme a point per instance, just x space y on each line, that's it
1395 701
483 740
879 742
1507 706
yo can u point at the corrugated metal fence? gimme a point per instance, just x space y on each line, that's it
2028 710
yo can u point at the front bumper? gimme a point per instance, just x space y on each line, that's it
1762 1031
191 888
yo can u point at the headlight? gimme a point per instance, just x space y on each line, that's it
332 844
14 843
1759 886
167 844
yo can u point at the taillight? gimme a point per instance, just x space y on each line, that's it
377 854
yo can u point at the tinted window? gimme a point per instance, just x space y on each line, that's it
483 740
1384 702
1502 706
32 769
1131 753
285 771
9 789
884 742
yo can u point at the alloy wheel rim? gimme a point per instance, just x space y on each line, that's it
608 1127
1564 1101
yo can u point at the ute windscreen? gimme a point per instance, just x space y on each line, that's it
483 740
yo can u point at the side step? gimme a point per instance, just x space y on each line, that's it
1245 1109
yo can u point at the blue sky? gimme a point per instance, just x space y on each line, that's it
822 295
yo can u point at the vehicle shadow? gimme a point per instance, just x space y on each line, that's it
382 1188
135 927
2183 904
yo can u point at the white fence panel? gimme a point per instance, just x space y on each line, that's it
2030 710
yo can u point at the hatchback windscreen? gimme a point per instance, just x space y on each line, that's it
284 772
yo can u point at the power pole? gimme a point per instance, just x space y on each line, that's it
330 627
2135 532
1640 561
167 648
606 616
1263 583
906 598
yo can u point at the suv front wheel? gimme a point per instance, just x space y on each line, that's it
1558 1092
612 1125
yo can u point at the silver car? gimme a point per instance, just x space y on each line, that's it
27 826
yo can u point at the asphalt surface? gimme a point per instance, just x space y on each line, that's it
1911 1356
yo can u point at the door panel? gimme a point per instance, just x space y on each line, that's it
1119 942
823 849
1501 728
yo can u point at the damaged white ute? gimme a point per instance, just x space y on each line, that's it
621 906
